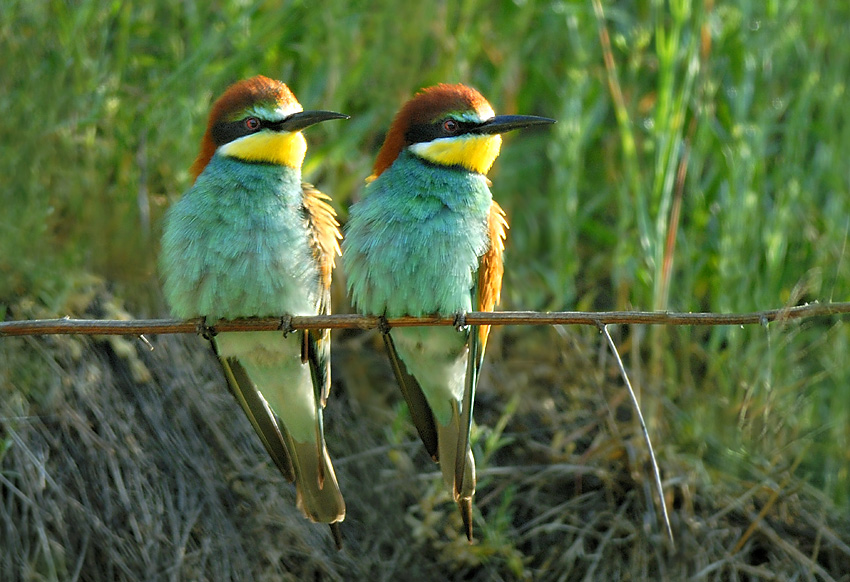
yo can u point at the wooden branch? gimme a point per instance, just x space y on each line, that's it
354 321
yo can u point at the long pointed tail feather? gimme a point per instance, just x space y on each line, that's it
473 367
320 373
475 358
462 484
420 411
261 417
306 463
320 502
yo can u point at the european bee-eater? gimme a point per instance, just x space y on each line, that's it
249 239
427 238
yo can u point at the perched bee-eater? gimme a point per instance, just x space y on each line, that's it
427 238
249 239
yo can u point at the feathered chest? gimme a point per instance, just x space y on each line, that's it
236 245
414 242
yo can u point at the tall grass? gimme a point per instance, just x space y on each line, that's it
103 106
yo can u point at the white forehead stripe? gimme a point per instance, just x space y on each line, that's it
279 113
483 113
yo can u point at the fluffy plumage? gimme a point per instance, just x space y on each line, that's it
248 239
427 238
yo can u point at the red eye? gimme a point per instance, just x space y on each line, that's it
252 123
450 126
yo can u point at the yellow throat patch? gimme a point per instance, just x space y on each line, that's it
473 152
272 147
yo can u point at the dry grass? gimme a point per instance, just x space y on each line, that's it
128 464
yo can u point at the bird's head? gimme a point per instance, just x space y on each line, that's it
258 120
450 125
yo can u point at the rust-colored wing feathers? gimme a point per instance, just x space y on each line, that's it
324 238
492 266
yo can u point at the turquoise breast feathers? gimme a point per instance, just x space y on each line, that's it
421 229
225 262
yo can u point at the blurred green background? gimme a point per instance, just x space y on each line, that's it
699 163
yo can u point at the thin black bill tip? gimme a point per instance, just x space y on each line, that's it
304 119
506 123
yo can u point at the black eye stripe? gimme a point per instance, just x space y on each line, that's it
226 131
424 132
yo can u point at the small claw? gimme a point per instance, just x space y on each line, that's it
460 321
143 338
286 325
206 331
383 325
336 532
465 506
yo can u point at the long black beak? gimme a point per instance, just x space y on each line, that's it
505 123
304 119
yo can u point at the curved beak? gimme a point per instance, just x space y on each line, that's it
304 119
505 123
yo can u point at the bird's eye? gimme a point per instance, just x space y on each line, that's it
450 126
252 123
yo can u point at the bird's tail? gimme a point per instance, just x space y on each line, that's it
316 486
462 486
305 459
445 443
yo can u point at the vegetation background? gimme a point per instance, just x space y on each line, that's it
698 164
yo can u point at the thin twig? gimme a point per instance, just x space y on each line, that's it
604 329
67 325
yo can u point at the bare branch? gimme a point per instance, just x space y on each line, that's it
354 321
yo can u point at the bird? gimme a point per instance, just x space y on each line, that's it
427 238
250 239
